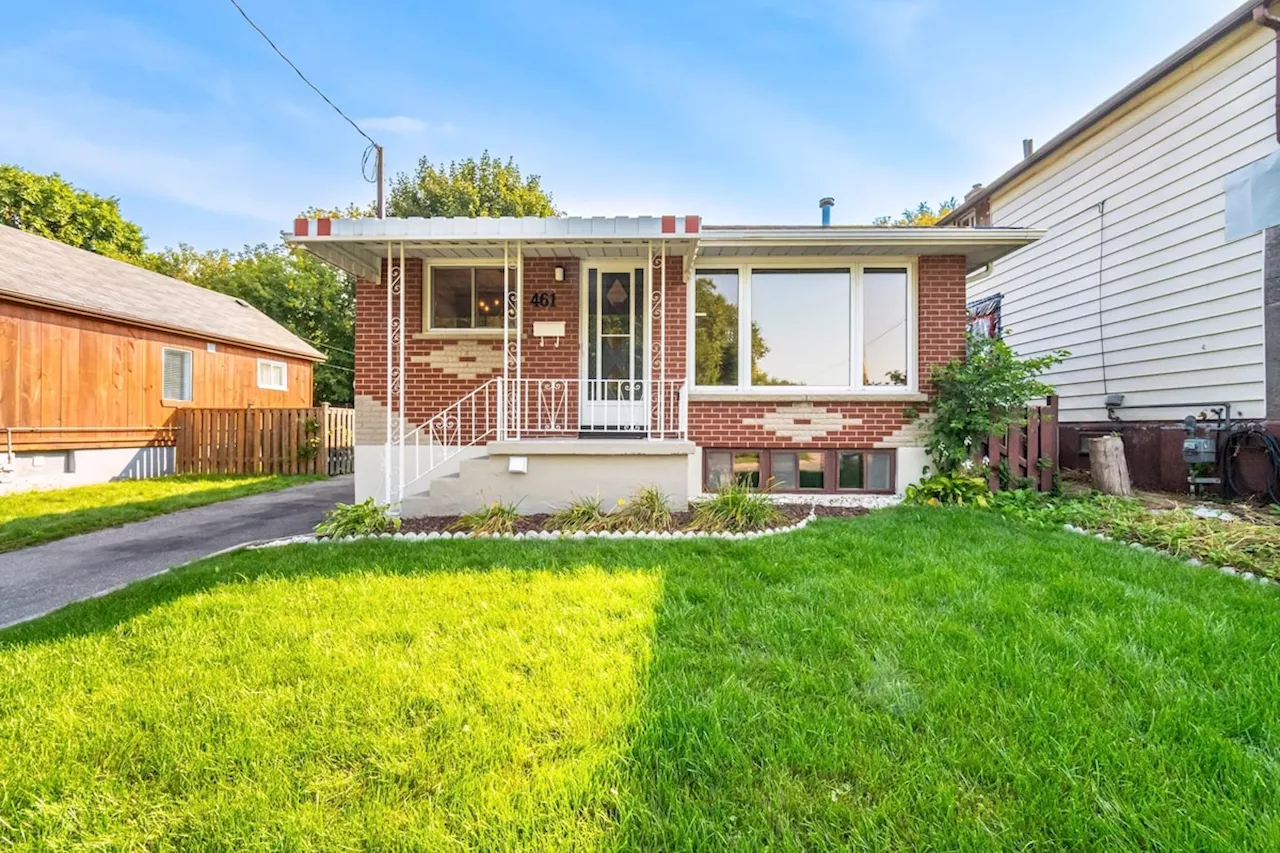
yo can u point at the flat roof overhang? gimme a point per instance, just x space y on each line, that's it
979 246
359 246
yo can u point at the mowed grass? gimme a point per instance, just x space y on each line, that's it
29 518
913 680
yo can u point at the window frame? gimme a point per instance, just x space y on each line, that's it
745 268
284 372
428 295
189 374
830 467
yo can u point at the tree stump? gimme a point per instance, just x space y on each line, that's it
1107 465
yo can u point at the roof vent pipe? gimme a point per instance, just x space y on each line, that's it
826 205
1028 146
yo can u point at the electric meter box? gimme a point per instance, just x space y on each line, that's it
1199 450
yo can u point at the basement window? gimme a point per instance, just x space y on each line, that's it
466 297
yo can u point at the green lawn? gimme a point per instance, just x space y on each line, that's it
29 518
913 680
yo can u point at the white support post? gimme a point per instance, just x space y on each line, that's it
402 376
386 448
505 384
662 376
519 333
649 297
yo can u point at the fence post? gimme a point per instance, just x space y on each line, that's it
323 454
995 449
1033 446
1049 442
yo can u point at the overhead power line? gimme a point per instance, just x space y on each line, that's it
374 147
298 71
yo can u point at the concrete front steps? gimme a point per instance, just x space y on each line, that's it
543 475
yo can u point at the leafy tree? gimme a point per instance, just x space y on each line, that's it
484 187
49 206
983 393
921 217
310 298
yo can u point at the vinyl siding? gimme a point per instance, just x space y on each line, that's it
1150 279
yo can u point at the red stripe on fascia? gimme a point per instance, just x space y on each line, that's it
692 224
324 227
668 225
300 227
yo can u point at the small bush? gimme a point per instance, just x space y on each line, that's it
584 514
357 520
735 509
646 510
493 519
956 489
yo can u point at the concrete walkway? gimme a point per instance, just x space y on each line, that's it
36 580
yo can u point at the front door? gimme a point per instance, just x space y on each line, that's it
613 396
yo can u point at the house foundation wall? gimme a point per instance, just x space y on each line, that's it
82 466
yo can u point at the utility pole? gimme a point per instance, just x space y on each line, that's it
382 209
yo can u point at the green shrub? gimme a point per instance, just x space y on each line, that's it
357 520
584 514
957 489
646 510
984 393
735 509
496 518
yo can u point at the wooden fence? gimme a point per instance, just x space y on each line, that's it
317 440
1026 457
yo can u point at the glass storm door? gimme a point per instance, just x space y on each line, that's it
613 397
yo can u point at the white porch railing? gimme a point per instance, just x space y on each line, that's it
508 409
540 408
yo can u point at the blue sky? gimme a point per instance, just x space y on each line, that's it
742 112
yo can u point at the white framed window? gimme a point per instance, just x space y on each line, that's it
465 298
176 374
273 375
776 329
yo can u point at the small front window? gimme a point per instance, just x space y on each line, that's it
467 297
273 375
176 379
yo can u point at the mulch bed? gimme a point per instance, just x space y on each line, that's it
538 522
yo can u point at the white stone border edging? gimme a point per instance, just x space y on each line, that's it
1190 561
537 535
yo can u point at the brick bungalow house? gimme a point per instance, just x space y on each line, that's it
533 360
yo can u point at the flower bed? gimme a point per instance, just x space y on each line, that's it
793 513
1241 546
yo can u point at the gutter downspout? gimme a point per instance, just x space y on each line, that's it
1263 18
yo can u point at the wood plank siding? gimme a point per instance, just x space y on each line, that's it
1147 284
59 369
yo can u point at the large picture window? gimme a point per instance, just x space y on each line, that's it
466 297
779 330
800 327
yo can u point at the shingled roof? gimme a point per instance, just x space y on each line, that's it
41 271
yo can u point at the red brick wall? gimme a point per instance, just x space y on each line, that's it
851 425
432 388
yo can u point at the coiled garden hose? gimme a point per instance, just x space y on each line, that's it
1249 437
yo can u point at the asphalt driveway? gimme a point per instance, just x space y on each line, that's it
36 580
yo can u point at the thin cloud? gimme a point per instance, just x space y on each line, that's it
405 125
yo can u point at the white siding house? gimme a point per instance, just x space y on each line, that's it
1135 276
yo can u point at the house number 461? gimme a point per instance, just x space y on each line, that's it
543 299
